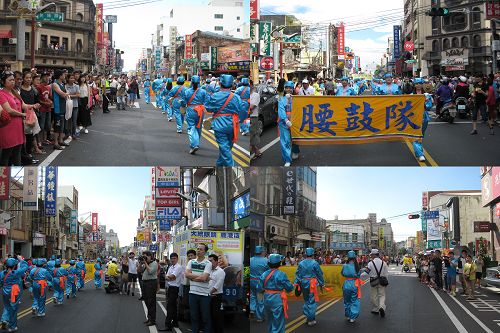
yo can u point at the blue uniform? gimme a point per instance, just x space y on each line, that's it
80 266
156 85
147 91
244 93
50 267
97 275
273 303
284 113
308 274
9 278
225 123
348 91
417 145
177 103
193 118
350 291
258 265
40 277
71 281
60 275
166 108
385 89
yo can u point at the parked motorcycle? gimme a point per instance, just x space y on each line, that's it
448 112
463 108
406 268
111 284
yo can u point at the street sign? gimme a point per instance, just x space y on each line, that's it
431 214
266 63
50 17
434 244
111 19
411 61
409 46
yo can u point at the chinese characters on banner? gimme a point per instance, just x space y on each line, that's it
397 42
50 191
492 10
289 191
95 227
356 119
98 24
188 52
74 222
265 38
214 55
241 206
341 40
4 183
168 206
254 10
30 183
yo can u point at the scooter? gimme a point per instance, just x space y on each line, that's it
448 112
462 107
406 268
110 284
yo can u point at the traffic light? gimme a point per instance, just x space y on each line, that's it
438 11
414 216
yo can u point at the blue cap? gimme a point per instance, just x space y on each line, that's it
309 251
259 249
39 262
275 258
357 79
53 257
158 76
245 81
345 78
226 80
289 84
11 262
71 262
164 80
418 80
169 80
388 76
44 261
81 258
181 79
195 79
98 259
58 262
351 254
208 80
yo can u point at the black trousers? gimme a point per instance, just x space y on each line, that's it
217 314
11 156
149 294
105 103
172 296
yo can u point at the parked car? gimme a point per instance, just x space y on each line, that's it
493 276
268 107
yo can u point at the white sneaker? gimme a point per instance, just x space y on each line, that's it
80 127
351 320
295 156
421 158
287 164
86 131
311 323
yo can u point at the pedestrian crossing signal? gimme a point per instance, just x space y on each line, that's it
413 216
438 12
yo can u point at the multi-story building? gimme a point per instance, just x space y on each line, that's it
451 45
343 237
69 44
490 190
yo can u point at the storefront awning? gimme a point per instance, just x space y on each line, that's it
306 237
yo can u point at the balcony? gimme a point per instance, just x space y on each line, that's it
48 52
432 56
483 51
72 24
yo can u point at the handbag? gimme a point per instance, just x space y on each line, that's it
4 118
69 109
382 280
30 118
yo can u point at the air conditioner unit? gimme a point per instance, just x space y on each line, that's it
12 41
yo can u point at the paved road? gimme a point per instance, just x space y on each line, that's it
95 311
444 144
137 137
411 307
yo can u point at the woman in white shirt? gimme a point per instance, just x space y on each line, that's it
84 119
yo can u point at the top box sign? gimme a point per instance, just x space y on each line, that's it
50 17
111 19
429 215
167 176
166 192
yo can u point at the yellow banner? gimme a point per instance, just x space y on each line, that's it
140 236
356 119
90 270
333 281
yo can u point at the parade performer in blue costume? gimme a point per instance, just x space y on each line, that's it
60 276
227 108
177 102
258 265
82 270
417 145
244 92
344 89
147 90
156 85
275 284
289 151
98 274
164 94
308 278
195 99
389 87
39 277
352 287
11 284
72 279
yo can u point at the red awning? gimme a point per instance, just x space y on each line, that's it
5 33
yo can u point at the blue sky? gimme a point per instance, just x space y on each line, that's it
354 192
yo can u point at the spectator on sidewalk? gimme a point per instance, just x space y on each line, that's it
460 271
113 87
124 274
376 269
132 272
470 277
184 292
254 123
84 120
173 282
215 285
198 272
479 269
150 284
73 90
438 269
451 274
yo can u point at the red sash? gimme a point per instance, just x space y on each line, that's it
284 297
236 123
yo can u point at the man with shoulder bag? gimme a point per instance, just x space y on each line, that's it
378 271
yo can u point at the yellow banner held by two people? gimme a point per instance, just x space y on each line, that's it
356 119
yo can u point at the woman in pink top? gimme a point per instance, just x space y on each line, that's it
12 135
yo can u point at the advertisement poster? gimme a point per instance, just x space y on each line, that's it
30 184
4 183
50 191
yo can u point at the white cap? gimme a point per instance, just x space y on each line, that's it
114 259
463 78
374 251
269 81
305 81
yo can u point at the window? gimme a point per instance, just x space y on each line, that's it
238 30
44 41
454 42
354 237
435 46
237 18
65 44
476 17
63 9
219 16
79 45
79 17
455 22
476 41
219 28
27 41
465 42
434 23
446 44
54 41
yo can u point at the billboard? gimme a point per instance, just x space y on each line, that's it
74 222
341 40
397 41
99 33
241 206
233 53
4 183
289 191
50 191
167 176
188 47
254 10
265 38
30 183
95 222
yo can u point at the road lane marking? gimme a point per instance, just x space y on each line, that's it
270 144
239 161
410 148
291 329
449 313
479 322
303 317
241 149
